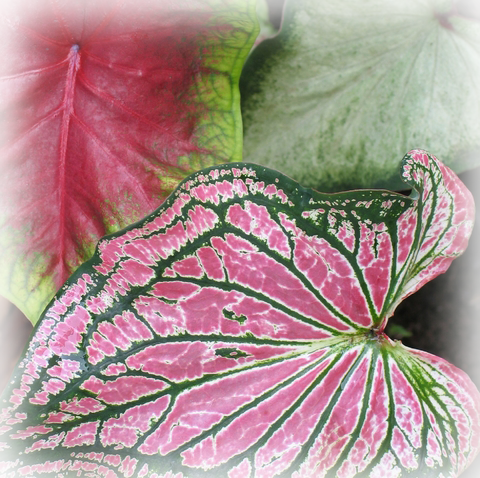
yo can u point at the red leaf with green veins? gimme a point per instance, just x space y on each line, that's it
238 332
105 107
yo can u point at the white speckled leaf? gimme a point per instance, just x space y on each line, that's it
349 86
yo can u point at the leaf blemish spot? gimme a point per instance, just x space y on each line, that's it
444 20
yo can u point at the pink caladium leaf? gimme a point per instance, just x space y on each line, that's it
105 106
238 332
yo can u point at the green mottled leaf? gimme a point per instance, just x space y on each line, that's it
348 86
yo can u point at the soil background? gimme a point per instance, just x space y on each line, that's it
443 317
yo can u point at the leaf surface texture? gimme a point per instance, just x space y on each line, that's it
238 332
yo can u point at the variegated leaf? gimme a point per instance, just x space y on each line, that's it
348 86
238 332
105 106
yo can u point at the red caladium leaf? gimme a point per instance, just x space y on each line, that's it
238 332
105 106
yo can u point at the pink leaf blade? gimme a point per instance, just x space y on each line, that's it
206 341
436 231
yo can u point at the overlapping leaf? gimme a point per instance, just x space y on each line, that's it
238 332
105 106
347 87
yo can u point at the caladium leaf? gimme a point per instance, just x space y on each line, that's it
347 87
104 108
238 332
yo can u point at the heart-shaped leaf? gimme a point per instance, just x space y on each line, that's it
105 106
238 332
347 87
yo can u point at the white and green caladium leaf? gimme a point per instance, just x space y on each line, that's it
347 87
238 332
